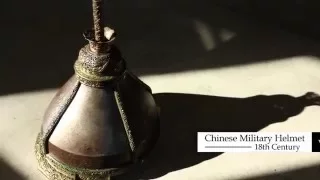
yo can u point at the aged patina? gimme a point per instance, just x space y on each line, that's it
103 120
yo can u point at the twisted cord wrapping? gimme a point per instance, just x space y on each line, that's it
97 21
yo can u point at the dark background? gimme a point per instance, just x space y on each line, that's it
40 40
300 16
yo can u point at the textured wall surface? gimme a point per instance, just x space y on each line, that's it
296 15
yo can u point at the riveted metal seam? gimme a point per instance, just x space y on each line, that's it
124 120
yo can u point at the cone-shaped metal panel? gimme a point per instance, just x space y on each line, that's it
91 134
59 104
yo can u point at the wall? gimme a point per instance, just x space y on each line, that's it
296 15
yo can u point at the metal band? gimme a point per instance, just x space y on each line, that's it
91 79
96 70
125 121
55 170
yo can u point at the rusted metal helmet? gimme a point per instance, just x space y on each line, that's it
104 118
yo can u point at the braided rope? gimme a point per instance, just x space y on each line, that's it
97 21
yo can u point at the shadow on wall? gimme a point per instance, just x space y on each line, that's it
42 39
310 173
183 115
299 16
8 173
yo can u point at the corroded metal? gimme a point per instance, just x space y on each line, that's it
97 20
97 24
96 69
101 130
103 120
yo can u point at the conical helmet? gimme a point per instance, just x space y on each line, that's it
102 120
